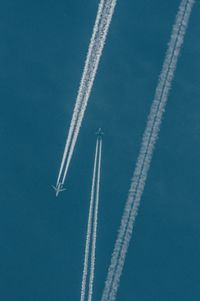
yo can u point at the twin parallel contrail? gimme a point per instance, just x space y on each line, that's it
93 252
90 245
146 151
89 229
100 30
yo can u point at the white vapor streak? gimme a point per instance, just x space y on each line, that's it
142 153
104 24
145 155
89 227
101 27
81 87
93 253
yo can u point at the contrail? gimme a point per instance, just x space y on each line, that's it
101 27
145 155
82 86
93 253
144 147
103 30
89 227
92 226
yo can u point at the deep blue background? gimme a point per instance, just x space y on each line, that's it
42 53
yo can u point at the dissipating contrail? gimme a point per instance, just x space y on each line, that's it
100 31
146 151
91 236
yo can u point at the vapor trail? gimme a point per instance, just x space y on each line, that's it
103 20
89 227
145 143
145 155
82 86
93 253
103 30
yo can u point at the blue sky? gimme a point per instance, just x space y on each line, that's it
43 47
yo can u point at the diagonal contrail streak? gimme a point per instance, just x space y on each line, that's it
147 136
145 155
100 31
89 227
91 236
103 30
82 86
94 238
136 198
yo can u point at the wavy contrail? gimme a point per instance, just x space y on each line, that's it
145 155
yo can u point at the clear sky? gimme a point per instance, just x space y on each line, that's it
42 53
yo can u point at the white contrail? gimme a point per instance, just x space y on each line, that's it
93 252
89 227
147 134
82 86
144 159
106 18
101 27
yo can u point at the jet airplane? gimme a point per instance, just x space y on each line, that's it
99 133
59 188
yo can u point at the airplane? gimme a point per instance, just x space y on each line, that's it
99 133
58 188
